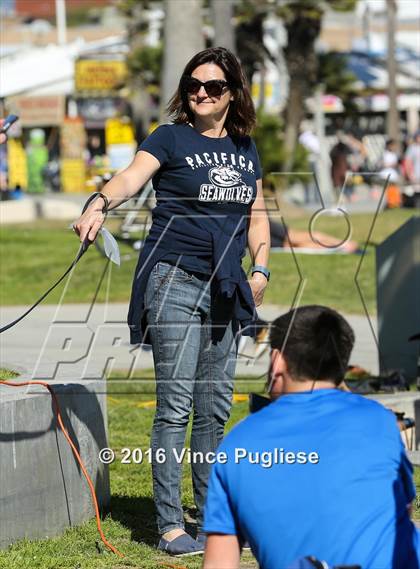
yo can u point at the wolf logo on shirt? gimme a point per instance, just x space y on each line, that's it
224 176
226 186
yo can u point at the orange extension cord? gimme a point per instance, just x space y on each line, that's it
76 454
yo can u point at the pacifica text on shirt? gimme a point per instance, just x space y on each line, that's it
225 182
220 159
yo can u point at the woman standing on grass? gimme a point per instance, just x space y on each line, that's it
191 298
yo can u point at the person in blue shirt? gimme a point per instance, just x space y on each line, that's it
317 472
191 298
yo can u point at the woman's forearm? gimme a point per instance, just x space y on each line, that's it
117 190
259 239
127 183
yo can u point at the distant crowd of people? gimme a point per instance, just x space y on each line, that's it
402 166
398 164
401 169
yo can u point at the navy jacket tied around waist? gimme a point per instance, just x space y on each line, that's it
221 240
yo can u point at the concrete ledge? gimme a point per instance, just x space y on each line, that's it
38 207
60 209
17 211
42 489
407 402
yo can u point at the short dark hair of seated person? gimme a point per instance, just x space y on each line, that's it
319 471
315 341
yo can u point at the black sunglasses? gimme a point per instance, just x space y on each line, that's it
213 88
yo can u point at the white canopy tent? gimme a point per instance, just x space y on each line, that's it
49 70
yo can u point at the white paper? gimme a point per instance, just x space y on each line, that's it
112 251
111 248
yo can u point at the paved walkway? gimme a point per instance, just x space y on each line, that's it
78 341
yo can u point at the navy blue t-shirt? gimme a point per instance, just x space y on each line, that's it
320 473
199 176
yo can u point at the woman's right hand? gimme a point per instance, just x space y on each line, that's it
90 222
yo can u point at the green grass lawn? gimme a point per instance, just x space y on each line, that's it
131 524
34 255
7 374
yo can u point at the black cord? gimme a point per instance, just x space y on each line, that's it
82 249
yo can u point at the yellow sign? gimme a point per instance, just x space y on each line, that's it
73 175
118 131
72 138
98 75
16 159
256 90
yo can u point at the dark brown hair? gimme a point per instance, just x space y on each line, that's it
315 341
241 118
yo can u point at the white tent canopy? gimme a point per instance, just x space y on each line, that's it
49 70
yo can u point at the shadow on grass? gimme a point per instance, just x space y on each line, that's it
138 515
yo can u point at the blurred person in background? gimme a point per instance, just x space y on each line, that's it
390 162
412 158
359 156
390 172
348 158
339 164
309 140
3 135
285 237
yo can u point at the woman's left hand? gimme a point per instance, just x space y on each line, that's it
258 282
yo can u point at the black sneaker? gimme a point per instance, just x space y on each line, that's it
182 545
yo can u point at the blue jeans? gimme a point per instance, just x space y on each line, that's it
194 344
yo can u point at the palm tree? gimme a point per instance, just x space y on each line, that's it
183 37
302 20
224 34
135 12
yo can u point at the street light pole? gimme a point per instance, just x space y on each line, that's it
366 28
60 16
322 168
392 118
